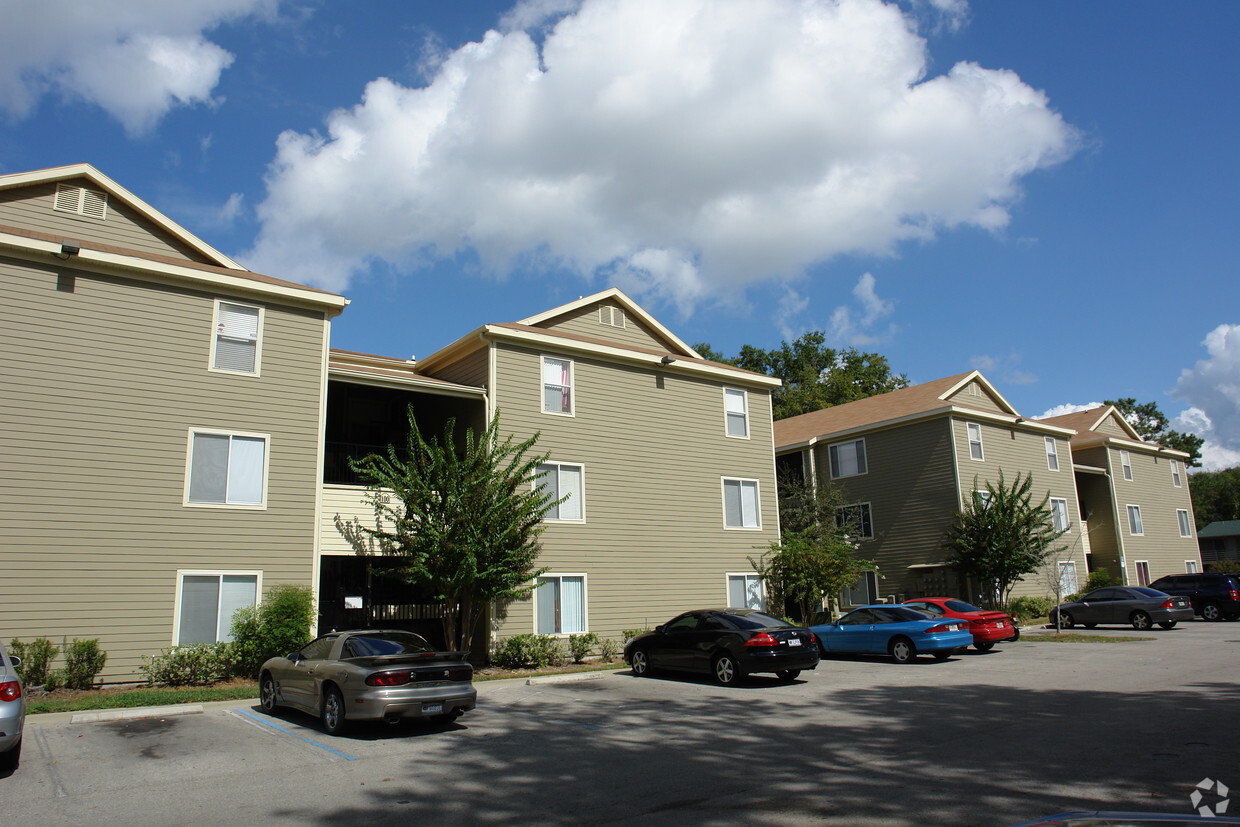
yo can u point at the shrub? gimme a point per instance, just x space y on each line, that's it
84 660
199 663
1027 607
607 650
528 652
1068 598
1224 566
580 645
36 658
277 626
1099 579
629 634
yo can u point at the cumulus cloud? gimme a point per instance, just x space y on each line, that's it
1067 408
856 326
136 59
686 149
1211 388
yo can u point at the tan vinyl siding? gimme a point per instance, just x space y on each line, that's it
30 208
1110 427
102 387
1151 489
982 401
348 501
585 322
471 370
653 448
910 486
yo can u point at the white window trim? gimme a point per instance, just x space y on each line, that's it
1176 475
1191 567
1136 569
831 466
1067 515
1141 518
1186 522
723 502
867 505
1052 452
258 343
585 602
981 449
572 386
180 582
745 401
1066 565
727 581
189 468
582 518
1125 462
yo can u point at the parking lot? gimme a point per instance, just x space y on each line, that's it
1029 729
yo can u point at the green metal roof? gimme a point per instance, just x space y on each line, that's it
1222 528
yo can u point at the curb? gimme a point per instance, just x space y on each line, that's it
572 677
138 712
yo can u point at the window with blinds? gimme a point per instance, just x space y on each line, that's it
235 348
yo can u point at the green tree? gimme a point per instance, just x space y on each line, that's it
464 524
1216 496
1002 535
815 376
1153 426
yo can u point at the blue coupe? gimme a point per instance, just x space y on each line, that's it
898 631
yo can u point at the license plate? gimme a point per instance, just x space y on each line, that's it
794 641
432 709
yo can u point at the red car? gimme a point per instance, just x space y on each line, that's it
988 627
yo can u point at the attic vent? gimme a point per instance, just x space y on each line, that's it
81 201
974 390
610 315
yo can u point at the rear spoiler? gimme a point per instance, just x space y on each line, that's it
407 659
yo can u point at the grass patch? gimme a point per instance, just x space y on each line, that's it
145 696
1077 637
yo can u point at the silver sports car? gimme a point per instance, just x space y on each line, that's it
369 674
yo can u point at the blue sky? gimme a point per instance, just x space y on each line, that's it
1048 192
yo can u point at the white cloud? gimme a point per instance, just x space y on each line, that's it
692 148
1003 369
1212 390
232 208
135 59
1067 408
857 328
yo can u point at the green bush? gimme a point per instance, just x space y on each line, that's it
1028 607
37 658
1068 598
84 660
277 626
197 664
1224 566
580 645
607 650
528 652
1099 579
629 634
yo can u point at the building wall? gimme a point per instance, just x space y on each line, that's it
654 452
585 322
102 386
974 395
1151 488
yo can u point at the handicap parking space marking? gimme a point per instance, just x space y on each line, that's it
244 714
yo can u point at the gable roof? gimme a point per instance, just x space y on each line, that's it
916 401
677 345
1086 422
115 190
1221 528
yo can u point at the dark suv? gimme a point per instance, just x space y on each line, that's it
1214 596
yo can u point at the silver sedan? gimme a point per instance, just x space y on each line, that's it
12 712
370 674
1138 605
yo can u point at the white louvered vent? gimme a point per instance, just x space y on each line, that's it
609 315
81 201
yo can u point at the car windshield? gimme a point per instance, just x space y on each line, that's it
755 620
961 606
374 644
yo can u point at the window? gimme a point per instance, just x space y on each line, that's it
856 518
740 504
1125 459
1143 573
81 201
745 591
1190 566
235 346
1067 578
1059 516
557 385
207 601
1186 529
560 479
226 469
1052 454
1176 480
560 604
861 593
847 458
1134 521
982 498
736 406
975 441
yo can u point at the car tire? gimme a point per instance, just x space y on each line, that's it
984 646
267 693
333 713
11 758
1140 621
1211 612
902 650
787 675
726 671
639 663
1065 620
1168 624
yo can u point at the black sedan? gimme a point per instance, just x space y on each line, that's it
727 644
1138 605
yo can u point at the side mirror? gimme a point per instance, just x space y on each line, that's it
659 629
293 656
